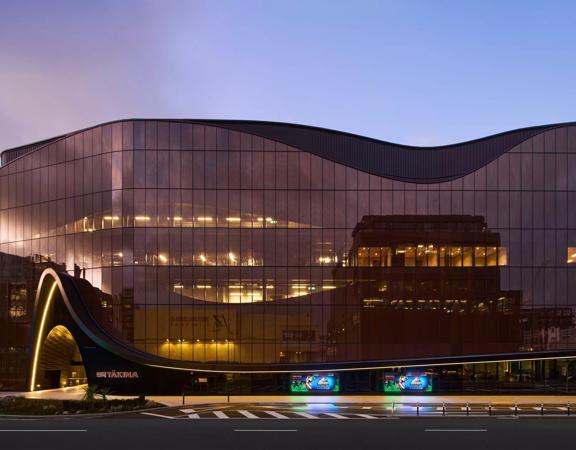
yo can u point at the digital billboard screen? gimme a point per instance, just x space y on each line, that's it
420 382
323 382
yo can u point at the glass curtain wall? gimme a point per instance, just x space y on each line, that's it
214 245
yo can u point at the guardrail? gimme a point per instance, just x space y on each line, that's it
478 409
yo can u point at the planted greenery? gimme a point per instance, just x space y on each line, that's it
94 401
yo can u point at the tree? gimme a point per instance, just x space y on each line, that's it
103 392
90 391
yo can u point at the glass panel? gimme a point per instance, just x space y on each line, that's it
468 256
571 259
480 256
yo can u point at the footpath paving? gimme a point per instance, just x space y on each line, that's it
76 392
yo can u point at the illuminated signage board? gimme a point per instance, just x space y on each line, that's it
111 374
420 382
327 382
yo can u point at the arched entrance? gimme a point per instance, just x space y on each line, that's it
60 363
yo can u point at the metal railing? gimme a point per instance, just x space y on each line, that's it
477 409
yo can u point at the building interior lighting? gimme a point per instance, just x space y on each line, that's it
202 258
111 218
204 219
203 286
162 258
233 219
177 219
299 293
142 218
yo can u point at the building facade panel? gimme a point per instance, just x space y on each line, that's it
225 243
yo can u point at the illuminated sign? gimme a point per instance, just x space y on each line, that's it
117 374
314 382
408 383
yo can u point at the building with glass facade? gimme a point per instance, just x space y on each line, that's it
243 256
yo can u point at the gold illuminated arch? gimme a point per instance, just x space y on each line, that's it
39 335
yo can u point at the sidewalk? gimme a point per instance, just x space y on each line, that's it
76 393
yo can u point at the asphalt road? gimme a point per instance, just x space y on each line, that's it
400 433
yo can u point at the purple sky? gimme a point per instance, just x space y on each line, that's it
414 72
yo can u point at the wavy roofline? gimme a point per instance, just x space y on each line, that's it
367 154
215 122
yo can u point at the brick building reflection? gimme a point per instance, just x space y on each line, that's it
424 286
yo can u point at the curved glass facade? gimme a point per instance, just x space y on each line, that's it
214 245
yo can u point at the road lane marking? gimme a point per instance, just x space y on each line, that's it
336 416
276 414
367 416
456 430
264 430
158 415
42 431
220 415
367 407
308 416
248 414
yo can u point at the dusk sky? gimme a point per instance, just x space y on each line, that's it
413 72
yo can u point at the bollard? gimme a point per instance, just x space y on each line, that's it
418 408
443 408
489 409
568 408
515 409
467 409
183 399
392 408
542 409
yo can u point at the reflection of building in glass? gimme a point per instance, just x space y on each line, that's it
548 328
18 282
430 284
253 250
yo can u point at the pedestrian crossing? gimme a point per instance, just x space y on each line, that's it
217 412
189 413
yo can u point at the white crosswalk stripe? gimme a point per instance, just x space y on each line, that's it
276 414
191 413
367 416
248 414
221 415
308 416
157 415
336 416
